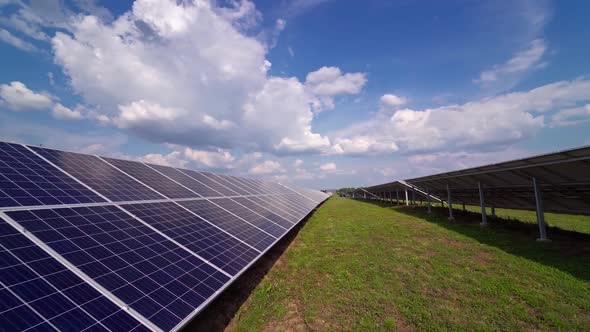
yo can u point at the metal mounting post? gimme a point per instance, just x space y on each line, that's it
428 199
484 220
540 214
451 218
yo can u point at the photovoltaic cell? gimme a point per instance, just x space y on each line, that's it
250 186
39 293
151 178
26 179
154 276
286 206
210 183
277 210
252 217
99 176
201 237
230 223
263 212
226 181
187 181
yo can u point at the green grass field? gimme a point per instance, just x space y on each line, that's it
361 266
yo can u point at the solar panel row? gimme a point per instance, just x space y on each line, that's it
94 243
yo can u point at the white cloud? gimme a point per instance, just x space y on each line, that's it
521 62
218 158
390 100
61 112
174 159
328 167
327 82
267 167
298 163
18 97
13 40
185 73
487 123
571 116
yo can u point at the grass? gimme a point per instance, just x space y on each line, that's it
568 222
361 266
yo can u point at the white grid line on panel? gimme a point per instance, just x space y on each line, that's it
213 297
25 303
203 174
79 273
68 174
175 242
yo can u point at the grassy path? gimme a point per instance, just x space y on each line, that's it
360 266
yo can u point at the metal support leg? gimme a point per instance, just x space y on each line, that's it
451 218
484 220
540 214
493 211
413 196
407 202
428 199
463 206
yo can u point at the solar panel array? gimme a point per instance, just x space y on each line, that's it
95 243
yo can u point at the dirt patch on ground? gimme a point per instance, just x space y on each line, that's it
482 258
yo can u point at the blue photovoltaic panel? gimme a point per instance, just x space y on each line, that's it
254 218
26 179
281 203
151 178
154 276
201 237
230 223
262 202
210 183
287 204
228 182
99 176
39 293
187 181
255 186
301 202
263 212
254 190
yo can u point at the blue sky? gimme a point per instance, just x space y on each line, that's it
320 93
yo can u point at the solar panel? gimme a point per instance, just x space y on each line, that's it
225 191
263 212
187 181
89 243
152 178
99 176
39 293
246 232
275 209
26 179
154 276
254 218
231 184
200 236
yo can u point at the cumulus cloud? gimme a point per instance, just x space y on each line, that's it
392 101
521 62
328 167
17 97
218 158
185 73
267 167
327 82
494 122
174 159
61 112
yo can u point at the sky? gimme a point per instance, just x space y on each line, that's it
317 93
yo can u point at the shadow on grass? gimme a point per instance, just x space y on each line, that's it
219 313
568 251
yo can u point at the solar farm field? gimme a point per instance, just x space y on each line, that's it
364 266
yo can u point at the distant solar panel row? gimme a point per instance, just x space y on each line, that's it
91 243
